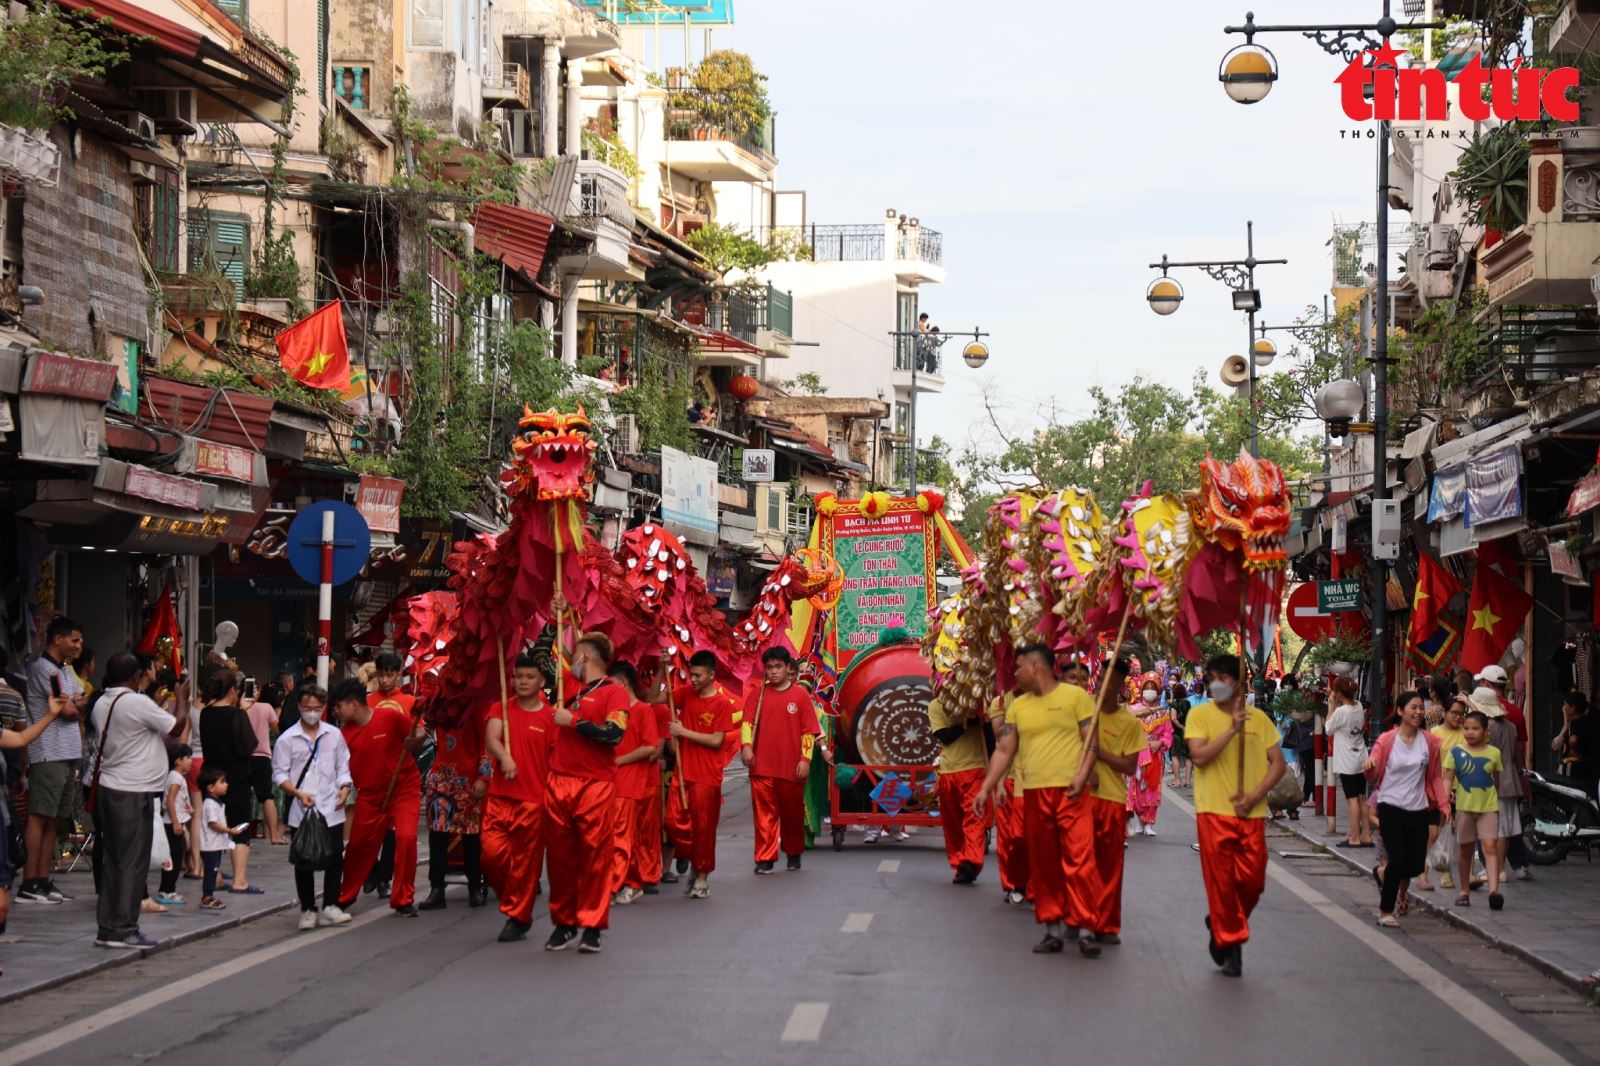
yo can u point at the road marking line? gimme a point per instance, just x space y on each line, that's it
805 1022
856 923
1523 1046
121 1012
889 866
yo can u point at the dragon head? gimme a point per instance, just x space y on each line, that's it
1244 506
550 455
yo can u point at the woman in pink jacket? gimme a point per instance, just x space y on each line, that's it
1407 782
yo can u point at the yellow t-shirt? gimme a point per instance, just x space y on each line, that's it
997 719
1050 740
1448 738
1217 781
1120 734
967 753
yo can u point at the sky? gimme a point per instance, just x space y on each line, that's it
1060 149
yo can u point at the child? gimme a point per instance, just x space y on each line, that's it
216 836
1472 771
176 814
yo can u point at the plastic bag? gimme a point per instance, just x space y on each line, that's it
312 847
160 853
1443 852
1286 795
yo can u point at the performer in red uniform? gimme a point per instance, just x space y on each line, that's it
779 732
1011 850
381 734
650 813
633 757
513 816
1121 741
707 714
579 795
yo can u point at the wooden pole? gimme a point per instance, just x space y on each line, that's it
1105 673
405 753
505 701
561 673
677 745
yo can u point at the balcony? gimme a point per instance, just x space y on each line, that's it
706 145
1550 258
598 207
353 85
918 358
508 85
1522 351
776 331
916 251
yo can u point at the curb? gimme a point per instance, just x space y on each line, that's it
122 958
1448 915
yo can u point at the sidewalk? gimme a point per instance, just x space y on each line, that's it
46 945
1551 922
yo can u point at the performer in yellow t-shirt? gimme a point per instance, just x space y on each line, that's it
1010 848
1046 733
962 755
1121 741
1231 808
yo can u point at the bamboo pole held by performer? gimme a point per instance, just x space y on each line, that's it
505 702
677 744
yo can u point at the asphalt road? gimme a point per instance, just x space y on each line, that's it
866 956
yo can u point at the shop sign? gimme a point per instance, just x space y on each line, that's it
757 464
63 375
378 500
220 460
1335 596
1585 495
161 488
1565 565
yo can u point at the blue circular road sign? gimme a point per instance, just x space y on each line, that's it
352 542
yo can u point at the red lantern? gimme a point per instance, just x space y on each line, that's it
744 387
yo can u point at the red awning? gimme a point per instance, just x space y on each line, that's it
131 19
514 235
714 340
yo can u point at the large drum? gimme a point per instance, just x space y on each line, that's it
883 706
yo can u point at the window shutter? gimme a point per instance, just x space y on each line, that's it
322 52
775 509
226 240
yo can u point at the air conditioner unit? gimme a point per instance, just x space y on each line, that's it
1443 240
626 433
175 110
137 121
142 173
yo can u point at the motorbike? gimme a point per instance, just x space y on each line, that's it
1565 816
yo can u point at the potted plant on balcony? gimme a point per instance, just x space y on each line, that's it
1491 177
731 93
46 51
1340 655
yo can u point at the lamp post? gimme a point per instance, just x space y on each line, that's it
975 353
1164 295
1247 74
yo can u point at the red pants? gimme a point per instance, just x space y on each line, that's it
513 834
1233 862
369 823
1060 834
963 831
694 832
1110 821
680 829
779 808
625 839
647 841
1010 847
578 845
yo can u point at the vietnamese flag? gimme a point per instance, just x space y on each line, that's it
1435 587
314 351
1494 614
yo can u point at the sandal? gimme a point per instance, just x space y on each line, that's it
1388 921
1463 901
150 906
1403 905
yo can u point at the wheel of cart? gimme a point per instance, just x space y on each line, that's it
883 796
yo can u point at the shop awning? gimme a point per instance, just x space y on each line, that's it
514 235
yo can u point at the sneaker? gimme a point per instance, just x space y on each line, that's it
871 836
1233 963
681 866
700 890
1525 874
55 894
383 890
590 943
1110 939
308 920
512 931
901 834
561 938
408 911
31 892
1219 955
1089 946
333 915
1015 897
765 867
132 943
626 896
793 863
966 874
1150 830
1049 945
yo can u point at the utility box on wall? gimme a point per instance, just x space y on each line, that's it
1385 529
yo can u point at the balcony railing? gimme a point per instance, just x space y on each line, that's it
744 316
353 85
780 311
860 244
693 115
919 352
508 82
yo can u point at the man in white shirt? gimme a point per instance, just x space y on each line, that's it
129 772
323 783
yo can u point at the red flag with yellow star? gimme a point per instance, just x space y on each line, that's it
1494 614
1435 587
314 352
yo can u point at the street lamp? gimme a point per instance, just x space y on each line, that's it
975 354
1238 275
1338 403
1352 43
1247 73
1265 352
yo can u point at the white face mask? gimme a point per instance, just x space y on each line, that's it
1150 695
310 718
1222 691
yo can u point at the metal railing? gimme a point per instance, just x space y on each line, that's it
694 115
859 244
744 316
921 352
780 311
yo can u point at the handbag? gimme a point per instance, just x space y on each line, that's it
93 799
312 847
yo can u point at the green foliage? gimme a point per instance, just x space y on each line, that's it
440 168
604 143
41 54
1339 650
728 248
935 468
732 93
1491 177
806 383
657 401
1439 351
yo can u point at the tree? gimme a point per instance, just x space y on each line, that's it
806 383
728 248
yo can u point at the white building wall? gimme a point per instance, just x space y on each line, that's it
848 310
